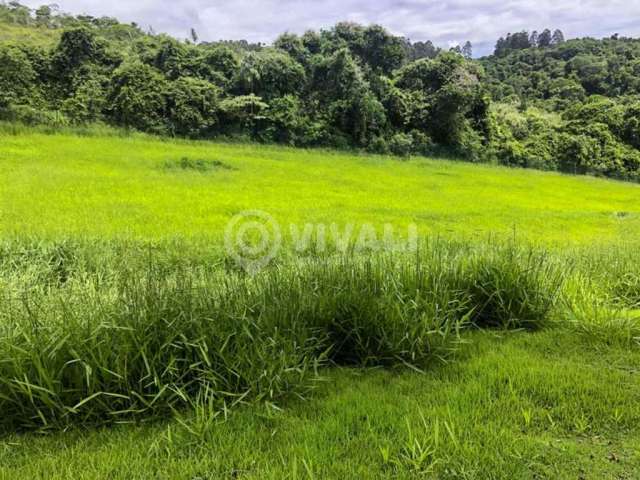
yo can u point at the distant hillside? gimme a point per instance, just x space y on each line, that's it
12 33
568 71
43 26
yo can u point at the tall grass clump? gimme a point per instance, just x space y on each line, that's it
104 333
513 288
601 301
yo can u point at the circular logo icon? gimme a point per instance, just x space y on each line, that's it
252 238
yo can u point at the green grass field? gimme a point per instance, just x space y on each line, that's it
76 212
60 185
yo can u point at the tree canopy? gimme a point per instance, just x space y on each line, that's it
539 101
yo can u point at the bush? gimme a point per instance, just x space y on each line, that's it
378 145
35 116
401 144
89 101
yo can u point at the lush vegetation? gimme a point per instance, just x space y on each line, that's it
123 334
119 305
570 105
133 344
557 105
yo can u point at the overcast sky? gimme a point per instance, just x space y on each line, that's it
445 22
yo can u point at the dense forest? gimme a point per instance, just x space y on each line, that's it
539 101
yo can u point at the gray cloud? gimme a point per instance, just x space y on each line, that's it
446 22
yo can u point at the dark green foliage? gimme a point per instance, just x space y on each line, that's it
222 62
447 97
17 77
591 138
78 53
89 102
269 74
347 86
350 107
137 97
608 67
286 121
192 107
401 144
198 164
593 87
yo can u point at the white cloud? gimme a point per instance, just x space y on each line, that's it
442 21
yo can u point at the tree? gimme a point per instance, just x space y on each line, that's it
294 46
350 105
194 35
77 54
17 77
191 106
513 41
43 15
447 94
222 60
418 50
286 121
137 97
171 58
242 112
269 74
544 39
312 41
383 52
467 50
500 49
557 38
88 102
19 13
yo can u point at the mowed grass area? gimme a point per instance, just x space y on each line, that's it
562 402
59 185
547 405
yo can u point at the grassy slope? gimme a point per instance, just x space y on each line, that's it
61 185
546 405
42 37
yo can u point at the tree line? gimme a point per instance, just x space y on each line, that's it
540 101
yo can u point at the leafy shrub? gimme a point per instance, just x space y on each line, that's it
378 145
401 144
35 116
88 102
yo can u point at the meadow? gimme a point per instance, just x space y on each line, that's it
55 186
131 345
